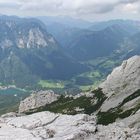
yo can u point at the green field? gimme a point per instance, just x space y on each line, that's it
50 84
84 82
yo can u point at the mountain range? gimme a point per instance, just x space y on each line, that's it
93 69
59 50
28 53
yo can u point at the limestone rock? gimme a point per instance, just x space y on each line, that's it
50 126
11 114
121 83
46 125
37 100
132 121
116 131
124 129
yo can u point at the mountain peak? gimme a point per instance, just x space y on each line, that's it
24 33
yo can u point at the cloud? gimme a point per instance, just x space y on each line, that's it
77 8
132 7
9 5
128 1
69 6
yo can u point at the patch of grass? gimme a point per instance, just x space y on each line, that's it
97 61
91 74
88 80
131 97
109 64
51 84
86 88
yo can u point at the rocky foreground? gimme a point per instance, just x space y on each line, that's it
50 126
114 111
46 125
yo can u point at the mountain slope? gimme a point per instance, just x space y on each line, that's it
122 89
66 21
65 35
29 53
129 25
98 44
132 45
117 97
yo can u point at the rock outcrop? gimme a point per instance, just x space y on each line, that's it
125 129
123 82
116 131
50 126
46 125
37 100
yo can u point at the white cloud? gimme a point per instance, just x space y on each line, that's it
76 8
131 8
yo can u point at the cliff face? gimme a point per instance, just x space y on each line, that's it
122 82
122 89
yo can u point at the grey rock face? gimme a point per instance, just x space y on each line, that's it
24 33
11 114
125 129
50 126
121 83
46 125
37 100
116 131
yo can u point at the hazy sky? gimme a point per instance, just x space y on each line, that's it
86 9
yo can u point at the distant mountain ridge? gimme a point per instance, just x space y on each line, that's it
130 25
98 44
65 20
133 43
83 42
28 50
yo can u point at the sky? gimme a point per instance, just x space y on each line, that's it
92 10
